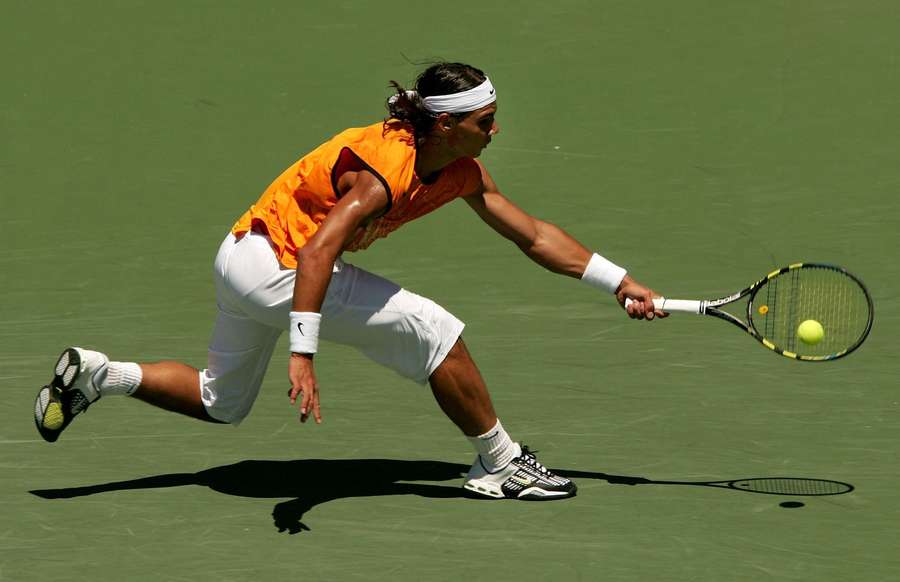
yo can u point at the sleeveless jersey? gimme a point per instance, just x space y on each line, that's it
293 207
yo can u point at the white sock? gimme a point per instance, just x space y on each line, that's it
495 448
121 378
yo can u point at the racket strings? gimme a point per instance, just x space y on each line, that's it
771 298
794 302
827 295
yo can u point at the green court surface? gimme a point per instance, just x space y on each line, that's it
699 143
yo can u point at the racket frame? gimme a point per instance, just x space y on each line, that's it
711 307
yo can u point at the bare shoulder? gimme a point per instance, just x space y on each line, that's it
359 181
487 183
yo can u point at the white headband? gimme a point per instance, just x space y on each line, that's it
474 98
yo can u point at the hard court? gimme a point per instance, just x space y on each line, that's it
701 144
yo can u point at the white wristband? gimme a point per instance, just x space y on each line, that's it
304 331
603 274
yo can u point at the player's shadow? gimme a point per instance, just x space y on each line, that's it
310 482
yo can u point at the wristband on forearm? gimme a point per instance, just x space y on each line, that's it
304 331
603 274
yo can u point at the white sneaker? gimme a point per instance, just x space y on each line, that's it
72 389
523 478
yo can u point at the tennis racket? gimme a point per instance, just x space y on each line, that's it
778 303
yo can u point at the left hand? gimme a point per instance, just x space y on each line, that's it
641 306
304 384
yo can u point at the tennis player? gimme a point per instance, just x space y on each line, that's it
282 268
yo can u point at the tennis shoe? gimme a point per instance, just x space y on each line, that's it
70 392
523 478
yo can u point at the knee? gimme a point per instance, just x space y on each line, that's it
225 401
458 352
208 417
457 359
219 414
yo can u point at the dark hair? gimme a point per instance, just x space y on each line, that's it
438 79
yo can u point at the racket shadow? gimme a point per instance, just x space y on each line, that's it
793 486
310 482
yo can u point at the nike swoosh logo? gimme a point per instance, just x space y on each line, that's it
492 92
300 327
526 481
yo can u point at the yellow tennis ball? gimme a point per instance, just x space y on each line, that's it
53 416
763 309
810 332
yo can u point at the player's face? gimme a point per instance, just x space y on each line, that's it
474 131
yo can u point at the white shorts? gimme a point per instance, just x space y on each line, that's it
398 329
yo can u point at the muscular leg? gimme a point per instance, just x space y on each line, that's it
173 386
460 391
503 468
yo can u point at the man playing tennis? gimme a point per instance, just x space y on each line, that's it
281 267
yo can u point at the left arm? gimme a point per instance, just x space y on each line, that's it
548 245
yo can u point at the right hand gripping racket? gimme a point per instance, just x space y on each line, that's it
778 303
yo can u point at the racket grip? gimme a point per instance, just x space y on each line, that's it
676 305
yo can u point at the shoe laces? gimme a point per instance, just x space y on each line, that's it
529 457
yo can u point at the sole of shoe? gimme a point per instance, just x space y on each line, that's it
67 369
49 406
530 494
481 490
538 494
49 415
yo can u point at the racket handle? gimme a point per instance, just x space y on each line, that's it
676 305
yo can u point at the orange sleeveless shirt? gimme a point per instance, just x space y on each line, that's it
293 207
